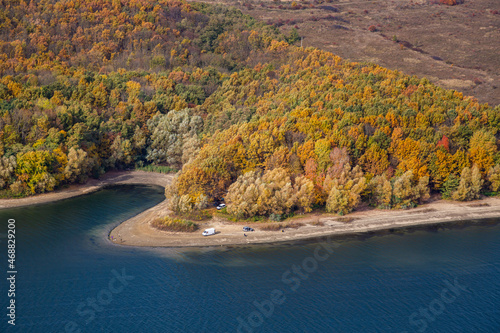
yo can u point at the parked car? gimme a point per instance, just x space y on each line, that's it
219 207
247 229
209 232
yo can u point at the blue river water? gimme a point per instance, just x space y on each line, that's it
70 278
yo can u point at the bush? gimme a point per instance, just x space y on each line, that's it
168 223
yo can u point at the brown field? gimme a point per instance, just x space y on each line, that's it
455 47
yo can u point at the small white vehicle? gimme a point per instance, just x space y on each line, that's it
209 232
219 207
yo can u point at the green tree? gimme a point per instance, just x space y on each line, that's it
450 186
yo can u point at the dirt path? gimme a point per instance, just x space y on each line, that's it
110 178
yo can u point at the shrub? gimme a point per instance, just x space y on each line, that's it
276 217
168 223
293 225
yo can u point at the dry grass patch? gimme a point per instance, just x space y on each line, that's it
318 223
279 226
293 225
346 219
479 204
426 210
168 223
271 227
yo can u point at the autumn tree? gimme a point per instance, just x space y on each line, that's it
7 170
482 150
272 193
35 168
78 166
494 178
174 137
381 191
243 195
470 185
303 193
449 186
408 192
375 160
345 194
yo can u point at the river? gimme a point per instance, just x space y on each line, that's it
70 278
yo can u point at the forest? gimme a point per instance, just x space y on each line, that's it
235 106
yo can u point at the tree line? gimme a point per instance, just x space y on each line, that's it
88 86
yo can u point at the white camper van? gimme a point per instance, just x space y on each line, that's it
209 232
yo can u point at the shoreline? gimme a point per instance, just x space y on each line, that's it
137 231
136 177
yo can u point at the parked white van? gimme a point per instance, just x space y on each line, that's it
209 232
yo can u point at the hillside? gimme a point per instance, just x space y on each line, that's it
453 46
80 79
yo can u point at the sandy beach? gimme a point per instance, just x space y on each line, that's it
110 178
138 231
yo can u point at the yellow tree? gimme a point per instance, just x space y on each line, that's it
470 185
345 194
482 149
